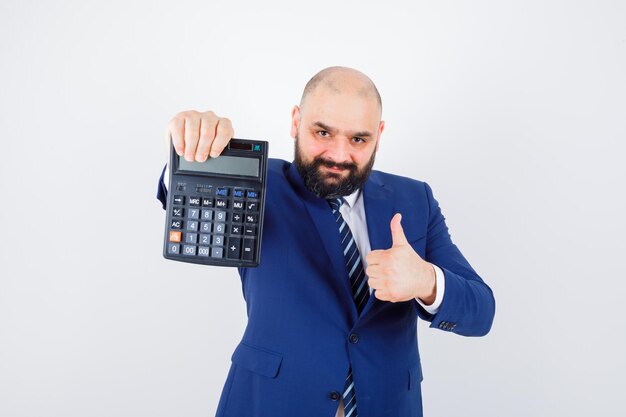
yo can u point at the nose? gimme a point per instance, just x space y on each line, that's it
338 150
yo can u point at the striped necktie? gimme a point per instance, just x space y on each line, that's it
360 290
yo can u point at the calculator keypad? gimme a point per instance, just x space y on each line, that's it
221 226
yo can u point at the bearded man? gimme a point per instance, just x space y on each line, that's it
351 257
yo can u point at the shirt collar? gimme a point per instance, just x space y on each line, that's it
352 198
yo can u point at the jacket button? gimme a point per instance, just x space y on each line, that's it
353 338
334 395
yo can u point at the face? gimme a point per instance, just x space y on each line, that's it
337 137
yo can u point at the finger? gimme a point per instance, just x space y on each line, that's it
373 272
397 233
223 133
381 295
374 257
192 136
176 130
207 135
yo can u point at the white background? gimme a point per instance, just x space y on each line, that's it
514 112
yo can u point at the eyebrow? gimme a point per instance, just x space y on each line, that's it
364 133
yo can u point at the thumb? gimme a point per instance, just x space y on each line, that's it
397 233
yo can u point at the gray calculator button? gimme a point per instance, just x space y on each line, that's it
173 249
193 213
192 225
191 238
219 228
189 250
207 215
205 239
205 227
220 216
218 240
203 251
217 252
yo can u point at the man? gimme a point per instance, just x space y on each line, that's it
350 258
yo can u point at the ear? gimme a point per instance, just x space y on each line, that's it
381 127
295 121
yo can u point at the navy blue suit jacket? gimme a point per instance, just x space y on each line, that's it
296 349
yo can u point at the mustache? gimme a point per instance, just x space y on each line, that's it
330 164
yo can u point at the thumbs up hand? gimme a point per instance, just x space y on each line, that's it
399 273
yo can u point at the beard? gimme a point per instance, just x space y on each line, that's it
331 184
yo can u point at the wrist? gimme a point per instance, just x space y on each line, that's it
431 293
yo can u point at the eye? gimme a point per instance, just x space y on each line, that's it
358 139
323 133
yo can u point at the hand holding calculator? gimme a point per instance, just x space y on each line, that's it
215 208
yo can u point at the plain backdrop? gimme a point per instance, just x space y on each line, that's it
513 111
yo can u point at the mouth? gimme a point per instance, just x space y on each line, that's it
335 169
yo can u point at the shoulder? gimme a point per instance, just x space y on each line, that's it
396 181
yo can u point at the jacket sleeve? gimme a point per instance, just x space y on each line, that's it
468 305
161 189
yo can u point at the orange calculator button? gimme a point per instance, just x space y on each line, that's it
175 236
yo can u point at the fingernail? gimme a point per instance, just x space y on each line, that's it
214 154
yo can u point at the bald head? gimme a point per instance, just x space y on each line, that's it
341 80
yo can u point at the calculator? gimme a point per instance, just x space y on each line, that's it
215 208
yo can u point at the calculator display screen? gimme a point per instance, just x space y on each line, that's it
228 165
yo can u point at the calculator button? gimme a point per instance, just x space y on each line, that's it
252 194
193 213
238 193
248 249
191 238
175 236
192 226
205 239
219 228
252 206
218 240
194 201
217 252
203 251
221 203
220 216
234 247
178 212
236 229
237 205
189 250
179 199
207 202
238 217
176 224
249 230
222 191
173 249
207 215
252 218
205 227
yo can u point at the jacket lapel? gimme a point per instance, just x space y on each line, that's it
324 221
377 201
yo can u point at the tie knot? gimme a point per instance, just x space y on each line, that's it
335 203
